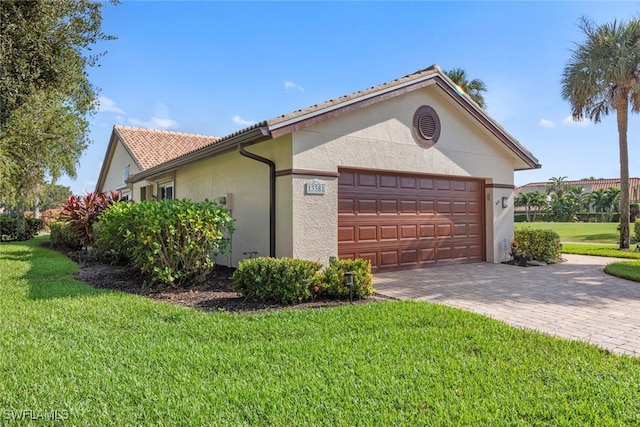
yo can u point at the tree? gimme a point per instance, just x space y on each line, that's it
533 202
603 75
474 88
598 200
556 185
54 196
45 94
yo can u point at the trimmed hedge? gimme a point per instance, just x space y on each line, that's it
171 241
290 280
541 245
333 283
63 237
281 280
10 228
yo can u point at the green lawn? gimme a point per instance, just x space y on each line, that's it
579 232
107 358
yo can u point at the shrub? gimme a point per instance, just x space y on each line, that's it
541 245
49 216
281 280
636 229
19 228
63 237
83 211
173 241
333 283
110 232
8 228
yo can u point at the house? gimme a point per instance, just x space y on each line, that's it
408 173
588 186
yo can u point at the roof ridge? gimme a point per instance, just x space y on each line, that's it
165 131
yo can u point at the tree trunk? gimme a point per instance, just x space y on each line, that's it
622 110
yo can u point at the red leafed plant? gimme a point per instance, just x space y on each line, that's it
82 211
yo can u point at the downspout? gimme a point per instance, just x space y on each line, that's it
272 195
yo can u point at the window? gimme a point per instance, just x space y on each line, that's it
125 173
165 191
143 193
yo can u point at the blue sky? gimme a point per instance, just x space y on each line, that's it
216 67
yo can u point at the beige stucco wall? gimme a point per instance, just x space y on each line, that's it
246 183
379 137
119 159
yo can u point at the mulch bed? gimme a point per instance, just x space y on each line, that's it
216 293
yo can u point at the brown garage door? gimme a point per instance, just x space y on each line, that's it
400 220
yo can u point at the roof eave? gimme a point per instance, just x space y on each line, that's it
250 136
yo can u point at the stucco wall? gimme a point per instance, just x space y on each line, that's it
379 137
120 159
246 183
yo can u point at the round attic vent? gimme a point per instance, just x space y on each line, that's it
426 126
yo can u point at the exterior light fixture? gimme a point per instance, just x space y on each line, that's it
505 202
348 281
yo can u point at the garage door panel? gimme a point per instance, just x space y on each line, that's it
427 230
347 206
388 259
366 206
405 220
443 207
409 257
408 182
389 206
426 206
367 233
389 181
388 232
367 180
347 179
408 231
408 207
346 234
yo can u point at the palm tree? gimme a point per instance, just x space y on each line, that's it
474 88
533 202
603 75
557 185
598 200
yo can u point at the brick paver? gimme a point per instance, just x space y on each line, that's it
573 299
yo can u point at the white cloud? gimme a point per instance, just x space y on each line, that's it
291 85
108 105
155 123
547 123
568 121
240 121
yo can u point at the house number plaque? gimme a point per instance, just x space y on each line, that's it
314 187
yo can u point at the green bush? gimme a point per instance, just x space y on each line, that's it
333 283
281 280
110 231
541 245
12 229
171 241
63 237
8 228
636 229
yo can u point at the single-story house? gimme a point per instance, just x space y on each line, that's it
587 185
408 173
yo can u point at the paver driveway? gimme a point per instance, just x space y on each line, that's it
574 299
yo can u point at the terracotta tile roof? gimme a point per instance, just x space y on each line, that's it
152 147
590 185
